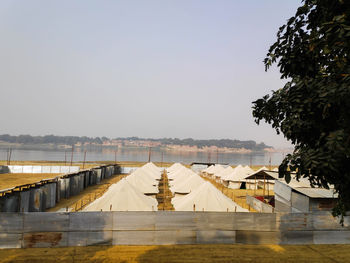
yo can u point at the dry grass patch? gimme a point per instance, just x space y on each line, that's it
12 180
182 253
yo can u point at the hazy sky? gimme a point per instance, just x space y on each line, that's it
138 68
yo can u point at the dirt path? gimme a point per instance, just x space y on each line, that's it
164 196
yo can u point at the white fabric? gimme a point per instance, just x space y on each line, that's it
156 175
186 185
174 167
181 173
123 196
145 176
238 175
143 183
217 169
206 198
224 172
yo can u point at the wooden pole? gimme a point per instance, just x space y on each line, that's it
7 155
84 159
10 156
65 157
255 186
149 154
164 190
264 188
71 157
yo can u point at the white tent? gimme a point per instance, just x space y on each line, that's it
239 172
225 172
145 175
123 196
187 185
174 167
151 166
156 175
209 169
180 173
144 184
206 198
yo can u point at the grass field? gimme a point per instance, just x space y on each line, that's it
182 253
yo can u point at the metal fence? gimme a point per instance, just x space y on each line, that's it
24 230
39 196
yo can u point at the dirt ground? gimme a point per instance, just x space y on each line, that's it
182 253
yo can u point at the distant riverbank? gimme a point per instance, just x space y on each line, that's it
141 155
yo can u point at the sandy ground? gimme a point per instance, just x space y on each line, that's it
182 253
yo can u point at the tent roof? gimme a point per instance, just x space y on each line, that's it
208 198
263 174
142 183
188 184
183 172
239 174
174 167
123 196
225 172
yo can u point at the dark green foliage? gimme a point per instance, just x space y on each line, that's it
312 110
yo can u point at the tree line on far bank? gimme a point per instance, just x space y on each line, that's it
72 140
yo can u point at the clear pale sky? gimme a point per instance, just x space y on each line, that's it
153 69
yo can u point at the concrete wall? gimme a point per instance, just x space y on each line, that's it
258 205
46 193
23 230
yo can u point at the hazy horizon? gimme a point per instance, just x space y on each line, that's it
150 69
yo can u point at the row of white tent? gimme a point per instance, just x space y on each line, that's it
234 177
193 193
136 192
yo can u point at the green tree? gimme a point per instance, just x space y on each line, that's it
312 110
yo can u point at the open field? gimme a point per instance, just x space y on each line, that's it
87 196
182 253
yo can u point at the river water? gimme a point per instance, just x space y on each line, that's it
141 155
